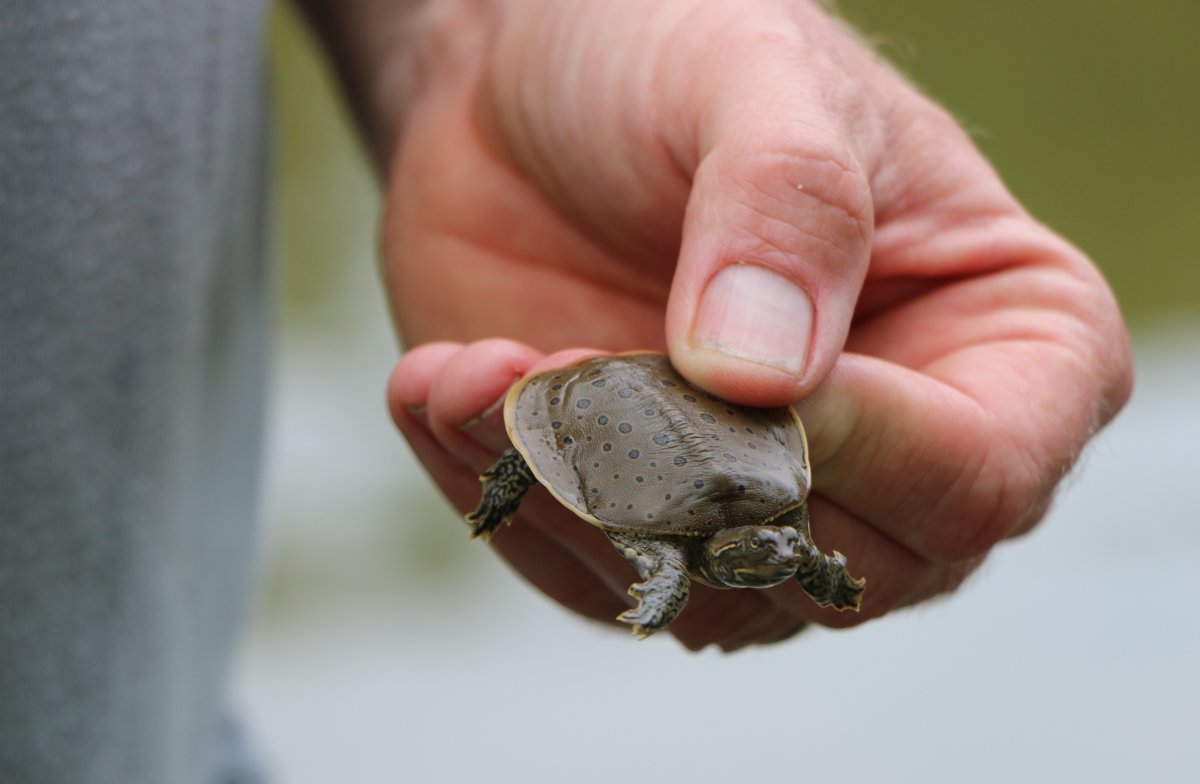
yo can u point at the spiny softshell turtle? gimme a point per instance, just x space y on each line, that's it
683 483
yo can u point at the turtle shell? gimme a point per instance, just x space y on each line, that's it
629 445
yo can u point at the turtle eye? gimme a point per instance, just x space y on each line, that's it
755 543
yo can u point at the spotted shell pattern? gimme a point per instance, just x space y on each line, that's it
631 446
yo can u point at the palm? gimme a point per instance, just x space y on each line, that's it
480 251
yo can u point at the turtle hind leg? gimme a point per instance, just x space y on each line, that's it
663 592
504 485
823 577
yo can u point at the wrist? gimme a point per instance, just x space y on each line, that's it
386 53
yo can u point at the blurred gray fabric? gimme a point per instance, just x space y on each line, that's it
132 365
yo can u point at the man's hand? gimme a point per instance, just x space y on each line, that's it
744 185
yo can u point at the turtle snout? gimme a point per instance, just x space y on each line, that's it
780 543
771 560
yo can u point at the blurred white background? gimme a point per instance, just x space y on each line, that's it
386 647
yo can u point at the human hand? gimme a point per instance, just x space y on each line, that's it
806 226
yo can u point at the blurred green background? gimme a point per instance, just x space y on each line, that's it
1090 111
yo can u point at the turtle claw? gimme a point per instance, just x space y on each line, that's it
643 621
638 630
485 520
479 528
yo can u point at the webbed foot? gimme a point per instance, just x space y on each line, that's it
660 600
826 580
664 589
504 485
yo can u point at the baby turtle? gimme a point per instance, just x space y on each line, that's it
683 483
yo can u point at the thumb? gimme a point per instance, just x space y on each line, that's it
776 243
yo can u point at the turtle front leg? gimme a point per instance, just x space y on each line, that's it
504 485
823 577
663 592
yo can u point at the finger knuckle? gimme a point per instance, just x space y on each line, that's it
809 192
1007 489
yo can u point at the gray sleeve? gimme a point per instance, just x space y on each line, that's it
132 366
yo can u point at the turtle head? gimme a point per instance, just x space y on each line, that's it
751 556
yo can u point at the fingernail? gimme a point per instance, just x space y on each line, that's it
487 429
488 413
752 313
419 413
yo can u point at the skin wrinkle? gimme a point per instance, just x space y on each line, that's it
651 103
974 535
940 367
559 192
859 213
878 297
1019 493
787 253
862 223
870 546
1048 321
902 245
912 176
1038 417
585 274
504 153
789 260
434 41
837 102
1007 508
961 492
582 289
